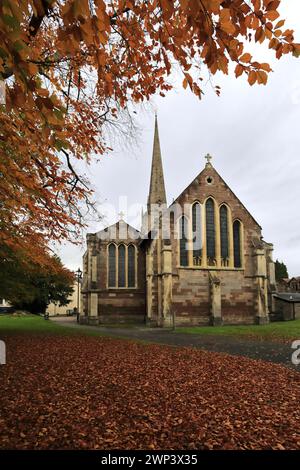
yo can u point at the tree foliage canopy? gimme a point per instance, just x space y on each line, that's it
32 287
281 271
70 66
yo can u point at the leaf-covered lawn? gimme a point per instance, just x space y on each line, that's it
79 392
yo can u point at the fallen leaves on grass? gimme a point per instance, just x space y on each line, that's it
102 393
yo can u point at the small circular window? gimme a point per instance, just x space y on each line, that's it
209 180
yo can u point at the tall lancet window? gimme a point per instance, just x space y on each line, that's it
112 266
237 243
224 236
131 266
197 235
121 266
210 232
183 238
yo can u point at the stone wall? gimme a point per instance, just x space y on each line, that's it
192 300
192 295
112 304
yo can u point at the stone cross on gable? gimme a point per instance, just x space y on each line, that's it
121 215
208 158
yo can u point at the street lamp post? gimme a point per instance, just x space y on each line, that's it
78 275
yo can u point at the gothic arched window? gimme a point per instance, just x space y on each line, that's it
237 243
197 235
183 228
121 266
131 266
210 231
224 234
112 266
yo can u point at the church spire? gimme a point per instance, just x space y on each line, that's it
157 192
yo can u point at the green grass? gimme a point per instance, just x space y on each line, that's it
37 324
285 329
10 324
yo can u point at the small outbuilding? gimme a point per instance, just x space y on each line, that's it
286 305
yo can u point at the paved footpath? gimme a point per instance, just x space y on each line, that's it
255 349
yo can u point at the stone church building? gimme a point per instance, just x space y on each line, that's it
200 261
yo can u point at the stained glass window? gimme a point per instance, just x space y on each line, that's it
111 266
197 236
121 266
210 229
131 266
224 232
237 244
183 241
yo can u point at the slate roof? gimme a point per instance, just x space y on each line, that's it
293 297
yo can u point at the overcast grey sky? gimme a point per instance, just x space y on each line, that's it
253 134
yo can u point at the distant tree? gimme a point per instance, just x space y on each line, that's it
280 270
32 287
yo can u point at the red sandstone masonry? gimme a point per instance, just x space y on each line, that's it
191 290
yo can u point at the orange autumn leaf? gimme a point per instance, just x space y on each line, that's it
239 70
246 57
262 77
252 77
272 15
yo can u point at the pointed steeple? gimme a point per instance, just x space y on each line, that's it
157 192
